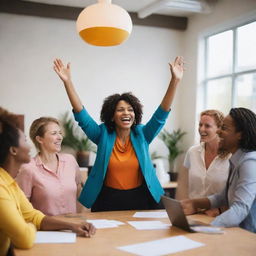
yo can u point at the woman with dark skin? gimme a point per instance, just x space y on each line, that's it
123 176
18 219
237 136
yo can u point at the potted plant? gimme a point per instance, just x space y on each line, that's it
171 141
77 140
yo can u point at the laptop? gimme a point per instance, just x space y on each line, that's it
177 216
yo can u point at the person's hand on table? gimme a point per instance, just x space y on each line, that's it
84 229
188 206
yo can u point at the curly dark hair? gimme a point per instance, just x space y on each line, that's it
245 122
9 133
109 107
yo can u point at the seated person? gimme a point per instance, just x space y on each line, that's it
205 170
51 180
237 136
18 219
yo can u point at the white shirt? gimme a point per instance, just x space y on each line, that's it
204 182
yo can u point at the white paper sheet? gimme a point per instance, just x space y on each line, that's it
208 230
54 237
149 225
102 223
162 246
162 214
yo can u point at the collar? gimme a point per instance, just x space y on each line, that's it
201 147
39 161
6 177
236 157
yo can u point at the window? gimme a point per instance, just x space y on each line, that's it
230 74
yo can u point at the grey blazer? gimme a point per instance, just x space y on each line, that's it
239 194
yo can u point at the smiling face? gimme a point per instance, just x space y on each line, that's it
207 128
51 139
229 137
124 115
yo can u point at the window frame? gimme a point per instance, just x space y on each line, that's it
234 72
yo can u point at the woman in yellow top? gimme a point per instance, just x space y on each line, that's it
18 219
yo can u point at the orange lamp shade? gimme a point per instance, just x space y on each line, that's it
104 24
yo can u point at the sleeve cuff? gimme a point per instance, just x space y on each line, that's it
161 113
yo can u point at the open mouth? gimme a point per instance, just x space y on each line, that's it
126 119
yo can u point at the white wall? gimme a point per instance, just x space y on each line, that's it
28 84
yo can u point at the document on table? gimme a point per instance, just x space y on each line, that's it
162 214
162 246
102 223
149 225
54 237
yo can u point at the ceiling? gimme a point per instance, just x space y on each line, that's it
163 7
159 13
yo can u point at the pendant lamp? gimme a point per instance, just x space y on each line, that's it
104 24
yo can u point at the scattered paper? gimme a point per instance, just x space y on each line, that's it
149 225
102 223
54 237
162 246
162 214
117 222
208 230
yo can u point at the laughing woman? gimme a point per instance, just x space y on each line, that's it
237 136
51 180
123 176
18 219
205 169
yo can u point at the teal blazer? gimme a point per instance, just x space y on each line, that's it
141 137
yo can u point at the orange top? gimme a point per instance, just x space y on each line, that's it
123 168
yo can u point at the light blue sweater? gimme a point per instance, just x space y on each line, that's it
141 137
240 193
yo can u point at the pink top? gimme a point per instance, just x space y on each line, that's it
51 193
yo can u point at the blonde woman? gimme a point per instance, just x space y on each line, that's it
205 170
51 180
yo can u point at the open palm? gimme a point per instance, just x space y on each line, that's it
177 68
62 71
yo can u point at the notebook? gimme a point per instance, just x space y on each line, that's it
178 218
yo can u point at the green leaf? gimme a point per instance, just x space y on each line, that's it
74 137
171 141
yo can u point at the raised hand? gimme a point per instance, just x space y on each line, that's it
62 71
65 75
177 68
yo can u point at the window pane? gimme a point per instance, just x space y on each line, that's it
220 54
246 91
246 47
219 94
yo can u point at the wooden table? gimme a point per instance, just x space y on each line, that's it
235 241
